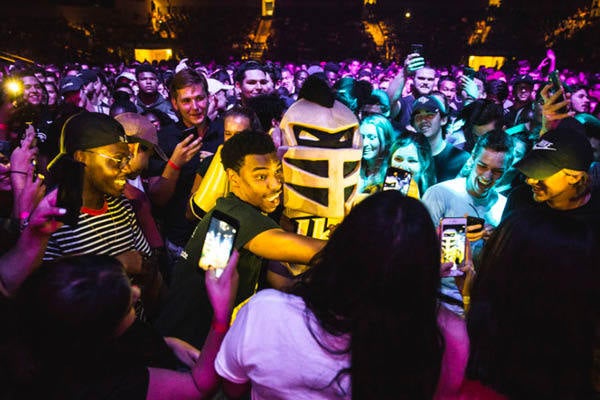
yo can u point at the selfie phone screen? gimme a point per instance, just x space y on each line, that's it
453 239
218 244
397 179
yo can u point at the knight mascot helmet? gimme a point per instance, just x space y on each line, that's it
321 149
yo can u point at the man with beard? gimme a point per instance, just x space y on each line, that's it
255 177
557 177
429 118
423 85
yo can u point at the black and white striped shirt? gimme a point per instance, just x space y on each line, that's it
111 232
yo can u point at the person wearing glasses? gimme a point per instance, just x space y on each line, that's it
94 161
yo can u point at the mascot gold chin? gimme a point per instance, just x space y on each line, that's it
321 149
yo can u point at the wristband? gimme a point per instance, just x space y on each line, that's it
219 327
173 165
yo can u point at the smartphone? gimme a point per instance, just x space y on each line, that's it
475 221
416 48
191 130
397 179
453 240
556 85
469 72
219 241
70 193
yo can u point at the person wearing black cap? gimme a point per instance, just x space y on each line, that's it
90 90
519 112
96 145
428 118
557 177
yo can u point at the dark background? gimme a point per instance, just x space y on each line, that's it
301 30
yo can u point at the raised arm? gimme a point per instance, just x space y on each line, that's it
26 256
203 380
161 188
412 63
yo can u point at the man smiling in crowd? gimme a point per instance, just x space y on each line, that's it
557 177
255 180
106 224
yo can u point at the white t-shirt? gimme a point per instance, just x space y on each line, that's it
451 199
270 345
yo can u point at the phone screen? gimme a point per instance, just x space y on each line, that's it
453 239
416 48
397 179
218 243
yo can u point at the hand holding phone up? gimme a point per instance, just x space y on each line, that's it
413 62
222 289
554 107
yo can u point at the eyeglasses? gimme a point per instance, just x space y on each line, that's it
121 162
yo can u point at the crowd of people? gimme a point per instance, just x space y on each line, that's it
111 175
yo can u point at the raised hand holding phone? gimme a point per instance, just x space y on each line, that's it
413 62
554 108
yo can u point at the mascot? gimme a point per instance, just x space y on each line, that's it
321 149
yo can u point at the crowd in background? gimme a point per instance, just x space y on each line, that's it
108 287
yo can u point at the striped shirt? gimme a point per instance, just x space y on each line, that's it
112 232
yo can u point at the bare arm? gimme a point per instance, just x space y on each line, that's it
412 63
26 256
203 380
279 245
161 189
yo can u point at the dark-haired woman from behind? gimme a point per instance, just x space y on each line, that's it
76 337
533 321
363 323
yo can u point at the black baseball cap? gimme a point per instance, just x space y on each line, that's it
428 103
87 76
557 149
88 130
70 84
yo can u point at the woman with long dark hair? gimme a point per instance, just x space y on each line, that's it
363 323
76 337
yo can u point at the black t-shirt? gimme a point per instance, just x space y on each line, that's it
449 162
187 312
175 226
522 199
